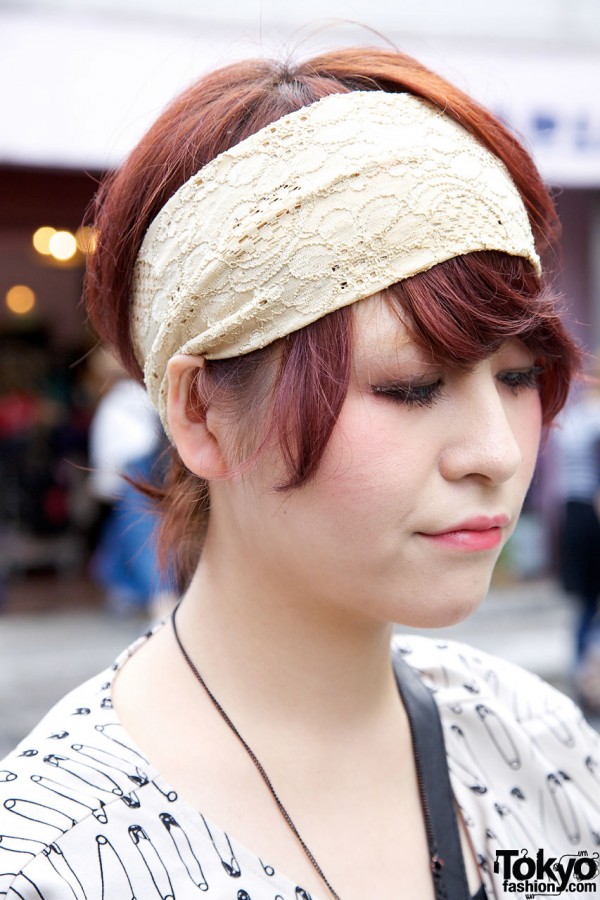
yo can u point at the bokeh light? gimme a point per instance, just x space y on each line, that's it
20 299
63 245
41 239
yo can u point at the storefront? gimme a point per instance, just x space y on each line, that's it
83 88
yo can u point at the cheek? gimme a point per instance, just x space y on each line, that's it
360 455
528 430
373 469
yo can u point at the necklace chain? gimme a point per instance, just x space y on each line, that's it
254 758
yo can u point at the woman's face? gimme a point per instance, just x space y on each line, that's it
419 488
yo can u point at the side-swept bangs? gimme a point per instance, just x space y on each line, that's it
463 310
458 313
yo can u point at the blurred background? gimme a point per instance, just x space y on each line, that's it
82 80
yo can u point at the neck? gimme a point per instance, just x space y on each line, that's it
266 646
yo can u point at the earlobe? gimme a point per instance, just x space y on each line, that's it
198 446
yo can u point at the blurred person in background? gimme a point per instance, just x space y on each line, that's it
126 560
124 428
330 275
125 443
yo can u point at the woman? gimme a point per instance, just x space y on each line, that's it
330 274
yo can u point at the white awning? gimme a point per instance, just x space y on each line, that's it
79 91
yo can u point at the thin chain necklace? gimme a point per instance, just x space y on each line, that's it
254 758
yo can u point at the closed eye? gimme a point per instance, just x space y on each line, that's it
411 394
521 379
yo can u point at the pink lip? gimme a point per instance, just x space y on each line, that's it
478 533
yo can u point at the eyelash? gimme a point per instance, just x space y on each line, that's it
412 395
518 381
423 395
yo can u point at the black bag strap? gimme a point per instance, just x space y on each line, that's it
447 863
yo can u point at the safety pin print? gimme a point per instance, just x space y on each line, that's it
21 844
57 860
467 662
483 863
107 729
472 687
467 776
491 679
232 867
40 814
557 784
438 678
491 843
499 735
85 773
154 864
559 729
522 708
105 759
131 800
466 816
168 793
484 859
268 870
515 828
97 809
593 767
184 850
29 896
469 764
114 880
12 845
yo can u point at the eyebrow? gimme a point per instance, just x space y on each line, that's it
387 351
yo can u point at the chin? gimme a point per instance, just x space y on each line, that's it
444 618
443 609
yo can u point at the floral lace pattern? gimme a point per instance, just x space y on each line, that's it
324 207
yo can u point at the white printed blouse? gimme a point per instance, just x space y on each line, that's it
84 815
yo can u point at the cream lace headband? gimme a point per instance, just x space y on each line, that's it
318 210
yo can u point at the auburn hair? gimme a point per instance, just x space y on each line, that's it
460 311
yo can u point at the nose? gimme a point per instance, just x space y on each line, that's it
483 442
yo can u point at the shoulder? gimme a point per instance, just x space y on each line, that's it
477 685
62 781
451 666
524 763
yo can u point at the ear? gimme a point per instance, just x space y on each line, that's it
200 449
